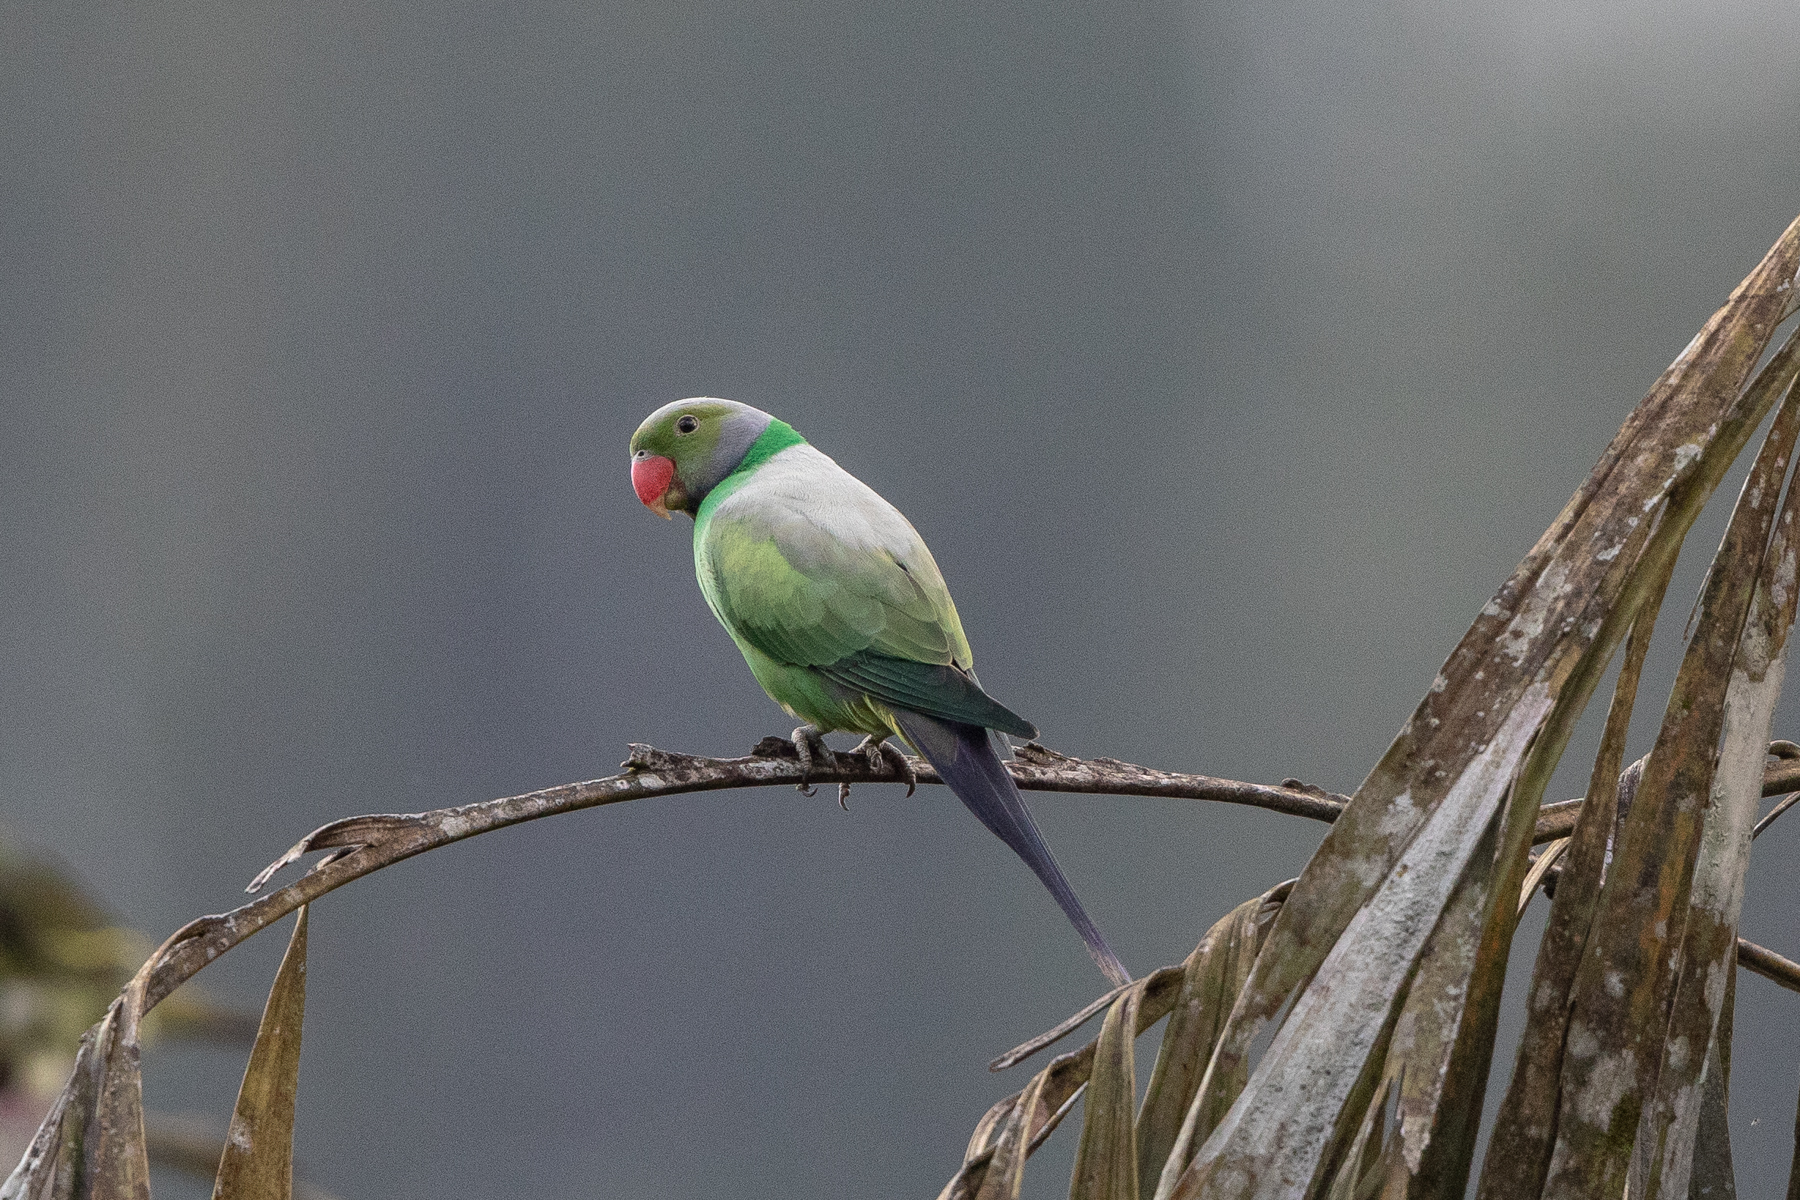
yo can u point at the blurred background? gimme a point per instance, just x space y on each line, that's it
1228 357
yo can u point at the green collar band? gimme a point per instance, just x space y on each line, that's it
772 441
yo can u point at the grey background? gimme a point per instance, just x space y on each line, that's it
1228 356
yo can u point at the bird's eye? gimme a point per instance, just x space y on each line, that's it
686 425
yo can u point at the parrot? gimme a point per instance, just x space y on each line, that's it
841 613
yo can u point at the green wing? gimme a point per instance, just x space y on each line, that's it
843 584
947 692
803 599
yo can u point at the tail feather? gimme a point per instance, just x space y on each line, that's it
964 755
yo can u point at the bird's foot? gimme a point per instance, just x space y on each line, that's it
808 744
881 753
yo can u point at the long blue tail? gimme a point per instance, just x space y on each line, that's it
964 755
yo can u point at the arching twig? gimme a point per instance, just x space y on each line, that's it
364 844
361 845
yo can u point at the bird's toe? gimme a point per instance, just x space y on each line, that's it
903 766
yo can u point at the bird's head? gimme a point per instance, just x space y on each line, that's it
684 449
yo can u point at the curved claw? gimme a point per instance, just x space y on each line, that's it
881 753
808 742
903 766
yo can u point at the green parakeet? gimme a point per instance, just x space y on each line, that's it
839 609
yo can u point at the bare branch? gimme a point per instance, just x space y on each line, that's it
1770 965
361 845
1558 820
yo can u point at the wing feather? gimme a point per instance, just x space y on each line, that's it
811 567
806 563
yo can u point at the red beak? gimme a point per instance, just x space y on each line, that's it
650 478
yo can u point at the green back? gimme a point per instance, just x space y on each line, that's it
809 567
